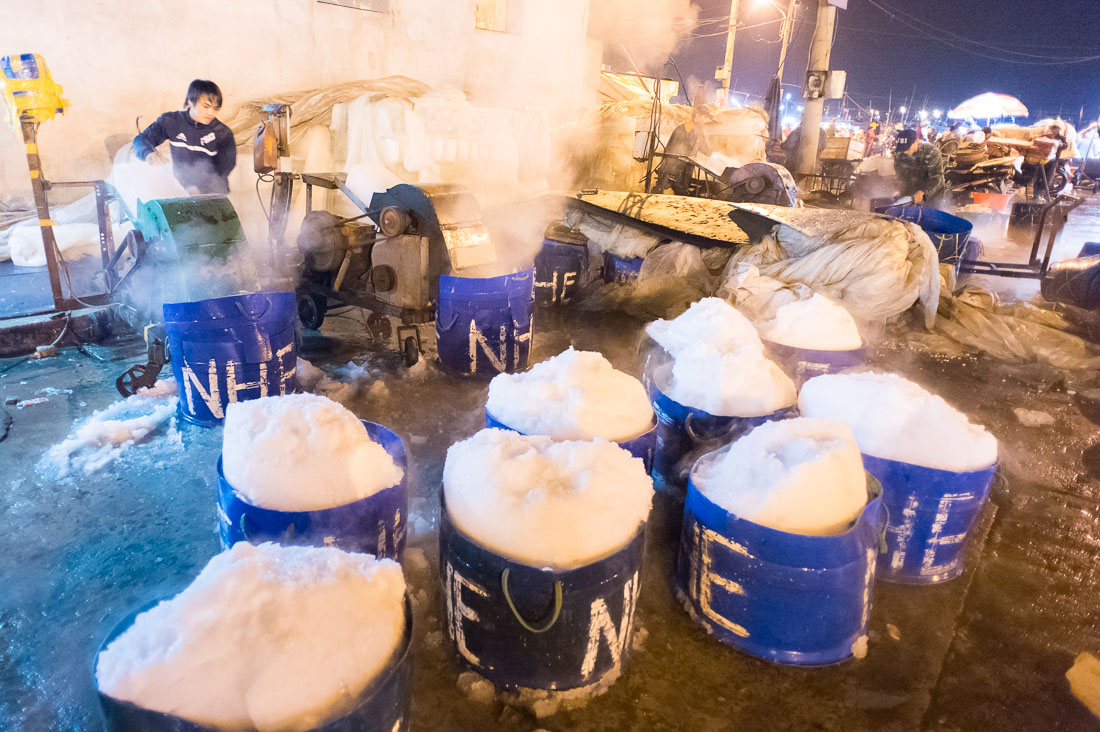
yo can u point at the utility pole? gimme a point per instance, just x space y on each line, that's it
820 52
726 72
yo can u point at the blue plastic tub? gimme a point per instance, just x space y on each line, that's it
684 433
373 525
230 349
384 705
786 598
931 514
484 325
1090 249
949 234
621 269
560 270
641 446
524 627
802 364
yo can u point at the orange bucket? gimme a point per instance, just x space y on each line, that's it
994 201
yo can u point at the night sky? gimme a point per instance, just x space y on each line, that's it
883 54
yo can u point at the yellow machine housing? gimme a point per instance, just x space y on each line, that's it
29 90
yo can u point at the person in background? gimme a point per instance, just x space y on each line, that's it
203 149
790 146
951 134
919 168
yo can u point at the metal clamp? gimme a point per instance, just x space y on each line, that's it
512 607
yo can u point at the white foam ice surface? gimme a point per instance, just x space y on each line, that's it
893 418
711 321
265 638
817 323
544 503
302 452
737 383
803 476
576 395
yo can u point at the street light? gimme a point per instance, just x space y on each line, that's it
901 109
924 114
937 113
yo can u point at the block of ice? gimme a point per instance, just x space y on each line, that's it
817 323
895 419
804 476
737 383
576 395
545 503
302 452
712 321
266 638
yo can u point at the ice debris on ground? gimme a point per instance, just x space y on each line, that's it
541 702
739 383
344 385
576 395
803 476
859 647
548 504
302 452
894 419
1033 417
817 323
111 431
1084 681
711 320
265 638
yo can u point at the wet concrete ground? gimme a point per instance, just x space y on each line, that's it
985 651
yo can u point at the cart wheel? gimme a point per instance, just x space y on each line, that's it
311 311
410 351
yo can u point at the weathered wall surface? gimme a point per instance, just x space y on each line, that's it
121 59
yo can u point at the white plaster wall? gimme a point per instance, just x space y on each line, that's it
118 59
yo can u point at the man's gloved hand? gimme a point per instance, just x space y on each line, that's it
918 197
157 157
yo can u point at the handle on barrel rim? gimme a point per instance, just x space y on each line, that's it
512 606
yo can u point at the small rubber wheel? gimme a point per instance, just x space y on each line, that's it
410 351
311 311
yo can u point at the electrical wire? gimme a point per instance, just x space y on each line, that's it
894 15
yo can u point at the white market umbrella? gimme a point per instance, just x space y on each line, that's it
989 106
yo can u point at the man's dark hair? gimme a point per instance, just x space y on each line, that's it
955 127
202 88
987 129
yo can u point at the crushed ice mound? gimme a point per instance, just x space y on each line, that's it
265 638
803 476
302 452
110 432
895 419
711 320
738 383
545 503
576 395
817 323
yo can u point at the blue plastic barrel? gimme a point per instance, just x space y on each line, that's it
383 706
948 233
1090 249
621 269
372 525
484 325
802 364
787 598
526 627
641 446
560 270
684 433
230 349
931 514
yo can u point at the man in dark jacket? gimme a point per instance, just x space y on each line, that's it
919 168
203 149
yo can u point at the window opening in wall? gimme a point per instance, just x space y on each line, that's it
504 16
374 6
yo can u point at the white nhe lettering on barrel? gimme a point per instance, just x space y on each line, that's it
704 580
210 393
601 626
